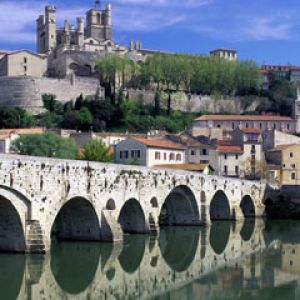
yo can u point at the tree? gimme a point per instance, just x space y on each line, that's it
47 144
78 119
96 150
253 169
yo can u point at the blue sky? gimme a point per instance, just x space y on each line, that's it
267 31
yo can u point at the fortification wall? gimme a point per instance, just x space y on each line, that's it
26 92
198 103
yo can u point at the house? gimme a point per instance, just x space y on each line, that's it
230 122
198 150
229 54
227 160
274 138
148 152
23 63
251 142
285 160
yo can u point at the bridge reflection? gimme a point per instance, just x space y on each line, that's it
189 262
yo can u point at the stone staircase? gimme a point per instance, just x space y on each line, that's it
34 237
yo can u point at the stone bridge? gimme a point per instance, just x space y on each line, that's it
142 268
78 200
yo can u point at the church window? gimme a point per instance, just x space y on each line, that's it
25 60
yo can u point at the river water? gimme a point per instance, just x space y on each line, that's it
251 260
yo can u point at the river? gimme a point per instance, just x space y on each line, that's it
251 260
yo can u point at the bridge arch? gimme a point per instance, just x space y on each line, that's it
15 210
132 218
220 207
180 208
77 220
247 206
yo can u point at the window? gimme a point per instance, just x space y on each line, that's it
157 155
138 153
236 156
232 125
25 69
165 156
204 151
25 60
225 170
291 154
132 153
274 126
172 156
247 125
293 166
288 126
126 154
178 157
225 156
237 170
293 176
193 153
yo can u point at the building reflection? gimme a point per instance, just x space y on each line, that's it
226 260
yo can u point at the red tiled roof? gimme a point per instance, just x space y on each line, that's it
251 130
229 149
243 118
159 143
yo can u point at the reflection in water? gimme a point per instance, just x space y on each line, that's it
224 261
11 275
219 235
74 265
178 246
247 229
132 253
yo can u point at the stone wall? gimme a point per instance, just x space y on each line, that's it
198 103
26 92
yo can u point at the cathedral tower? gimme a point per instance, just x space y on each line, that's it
46 31
98 23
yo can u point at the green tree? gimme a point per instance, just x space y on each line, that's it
78 119
47 144
96 150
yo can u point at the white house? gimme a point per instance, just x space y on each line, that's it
148 152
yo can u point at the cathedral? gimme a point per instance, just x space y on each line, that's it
75 49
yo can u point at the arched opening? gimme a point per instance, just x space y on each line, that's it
178 247
247 229
219 236
180 208
77 220
132 218
74 265
219 207
154 202
12 237
132 253
111 205
247 207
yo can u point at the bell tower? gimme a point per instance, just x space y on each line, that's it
98 23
